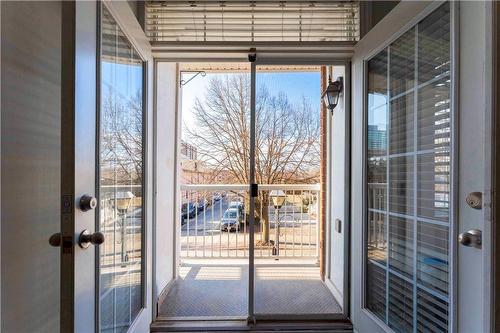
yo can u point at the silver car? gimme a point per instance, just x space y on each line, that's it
231 220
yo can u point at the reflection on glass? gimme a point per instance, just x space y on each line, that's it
401 185
376 289
121 179
434 45
400 304
401 245
432 257
434 116
377 237
402 124
434 186
417 168
402 60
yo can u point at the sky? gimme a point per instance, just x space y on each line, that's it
295 84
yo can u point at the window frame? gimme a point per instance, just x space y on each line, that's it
453 201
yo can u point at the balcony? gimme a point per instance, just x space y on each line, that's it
214 251
206 213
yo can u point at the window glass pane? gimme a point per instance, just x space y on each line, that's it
434 186
377 83
409 185
121 179
402 124
432 313
401 245
402 63
377 237
401 185
377 183
434 116
400 304
434 44
375 290
432 258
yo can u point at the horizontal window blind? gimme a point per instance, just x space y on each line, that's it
409 163
252 21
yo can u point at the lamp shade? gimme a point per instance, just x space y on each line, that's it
332 93
278 197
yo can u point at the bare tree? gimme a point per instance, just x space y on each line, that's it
287 137
121 139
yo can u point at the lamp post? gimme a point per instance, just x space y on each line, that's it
278 197
332 92
123 200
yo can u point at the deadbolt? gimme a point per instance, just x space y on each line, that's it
475 200
471 238
87 202
86 238
55 239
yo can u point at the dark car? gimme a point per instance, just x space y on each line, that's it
188 211
202 205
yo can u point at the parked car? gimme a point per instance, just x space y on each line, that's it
217 197
188 210
231 220
202 205
237 205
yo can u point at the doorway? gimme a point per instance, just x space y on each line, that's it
218 263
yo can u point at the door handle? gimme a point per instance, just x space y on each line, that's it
55 239
86 238
471 238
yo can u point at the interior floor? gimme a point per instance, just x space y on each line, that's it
218 288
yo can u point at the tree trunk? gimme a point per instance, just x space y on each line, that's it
261 216
264 218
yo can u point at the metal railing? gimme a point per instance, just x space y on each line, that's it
214 221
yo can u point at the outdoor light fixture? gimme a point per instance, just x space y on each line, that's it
332 93
278 197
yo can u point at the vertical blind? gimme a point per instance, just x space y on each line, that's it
252 21
409 169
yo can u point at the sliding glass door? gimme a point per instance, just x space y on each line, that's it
285 276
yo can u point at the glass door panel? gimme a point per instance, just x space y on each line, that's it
408 178
287 166
121 179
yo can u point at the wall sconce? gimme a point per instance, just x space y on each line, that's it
332 92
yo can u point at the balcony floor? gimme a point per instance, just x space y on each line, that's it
219 288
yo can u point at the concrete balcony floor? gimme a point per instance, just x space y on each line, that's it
218 289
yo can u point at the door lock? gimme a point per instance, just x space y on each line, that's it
86 238
88 202
471 238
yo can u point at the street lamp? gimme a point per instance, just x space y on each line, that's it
278 197
332 93
123 201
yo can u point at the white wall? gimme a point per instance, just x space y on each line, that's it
166 120
337 150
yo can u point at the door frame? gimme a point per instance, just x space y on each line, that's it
346 62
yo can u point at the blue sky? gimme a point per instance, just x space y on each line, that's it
295 84
125 79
